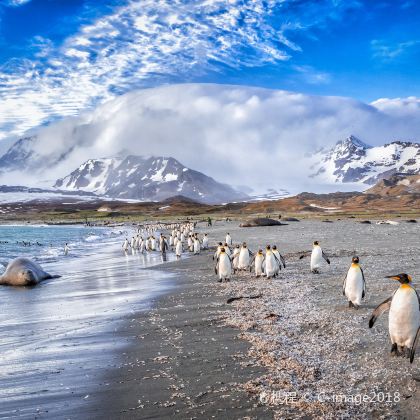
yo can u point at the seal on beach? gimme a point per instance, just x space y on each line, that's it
354 286
24 272
404 317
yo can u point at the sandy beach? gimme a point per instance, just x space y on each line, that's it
296 351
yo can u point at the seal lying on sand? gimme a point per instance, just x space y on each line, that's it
24 272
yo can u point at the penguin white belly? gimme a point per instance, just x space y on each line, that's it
316 258
404 316
196 247
277 255
235 259
178 249
270 265
354 286
243 262
258 265
225 267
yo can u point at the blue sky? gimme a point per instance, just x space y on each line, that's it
61 57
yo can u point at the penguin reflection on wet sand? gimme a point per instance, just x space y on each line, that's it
354 286
404 317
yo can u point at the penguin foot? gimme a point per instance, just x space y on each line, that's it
394 350
350 304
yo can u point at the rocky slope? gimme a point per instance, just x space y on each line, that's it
351 160
146 179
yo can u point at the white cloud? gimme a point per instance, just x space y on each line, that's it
239 135
150 42
387 52
16 3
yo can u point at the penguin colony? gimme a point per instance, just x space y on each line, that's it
403 305
181 238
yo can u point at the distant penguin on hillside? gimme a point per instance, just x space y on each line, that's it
404 317
354 286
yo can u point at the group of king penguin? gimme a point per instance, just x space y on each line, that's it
403 305
181 238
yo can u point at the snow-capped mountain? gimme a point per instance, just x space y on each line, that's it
146 179
351 160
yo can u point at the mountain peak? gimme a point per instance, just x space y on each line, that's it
351 160
353 141
152 178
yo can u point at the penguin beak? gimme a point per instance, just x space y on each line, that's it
402 278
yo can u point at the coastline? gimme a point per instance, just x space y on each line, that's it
182 360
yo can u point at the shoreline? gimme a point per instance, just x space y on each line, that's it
182 361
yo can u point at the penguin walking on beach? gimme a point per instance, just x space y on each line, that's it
354 285
258 261
205 241
228 239
244 257
316 257
279 257
271 263
196 245
218 249
125 245
223 266
178 249
235 257
404 317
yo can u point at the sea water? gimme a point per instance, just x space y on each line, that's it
57 338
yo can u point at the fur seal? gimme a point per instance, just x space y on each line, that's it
24 272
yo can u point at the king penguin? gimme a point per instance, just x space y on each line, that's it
316 257
354 286
404 316
223 266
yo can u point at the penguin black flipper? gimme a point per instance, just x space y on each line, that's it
413 347
325 257
344 285
380 309
364 283
283 261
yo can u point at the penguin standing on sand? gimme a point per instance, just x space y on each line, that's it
244 256
223 266
271 266
178 249
316 257
354 286
205 241
258 263
404 317
66 249
228 239
279 257
196 245
235 257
